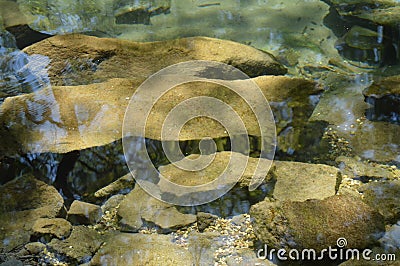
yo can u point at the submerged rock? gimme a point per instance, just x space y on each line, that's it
79 59
362 171
122 184
344 110
84 213
46 228
302 181
317 224
78 117
383 196
139 249
138 207
22 202
79 247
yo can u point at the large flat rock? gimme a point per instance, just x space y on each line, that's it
80 59
64 118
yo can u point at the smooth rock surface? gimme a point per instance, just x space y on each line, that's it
317 223
80 59
78 117
23 201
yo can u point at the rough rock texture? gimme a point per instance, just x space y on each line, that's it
301 181
47 228
80 59
317 223
141 249
384 196
84 213
205 220
23 201
79 247
139 207
78 117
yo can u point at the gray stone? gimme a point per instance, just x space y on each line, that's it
384 196
317 224
141 249
35 247
138 206
83 213
297 181
23 201
48 228
80 246
125 183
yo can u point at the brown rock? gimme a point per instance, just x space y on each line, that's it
99 59
84 213
49 228
317 224
23 201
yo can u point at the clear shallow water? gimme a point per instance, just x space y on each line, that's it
309 38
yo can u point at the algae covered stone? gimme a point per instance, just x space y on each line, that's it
317 224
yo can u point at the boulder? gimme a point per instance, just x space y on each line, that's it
141 249
23 201
84 213
317 224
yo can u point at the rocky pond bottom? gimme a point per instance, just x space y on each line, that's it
334 181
